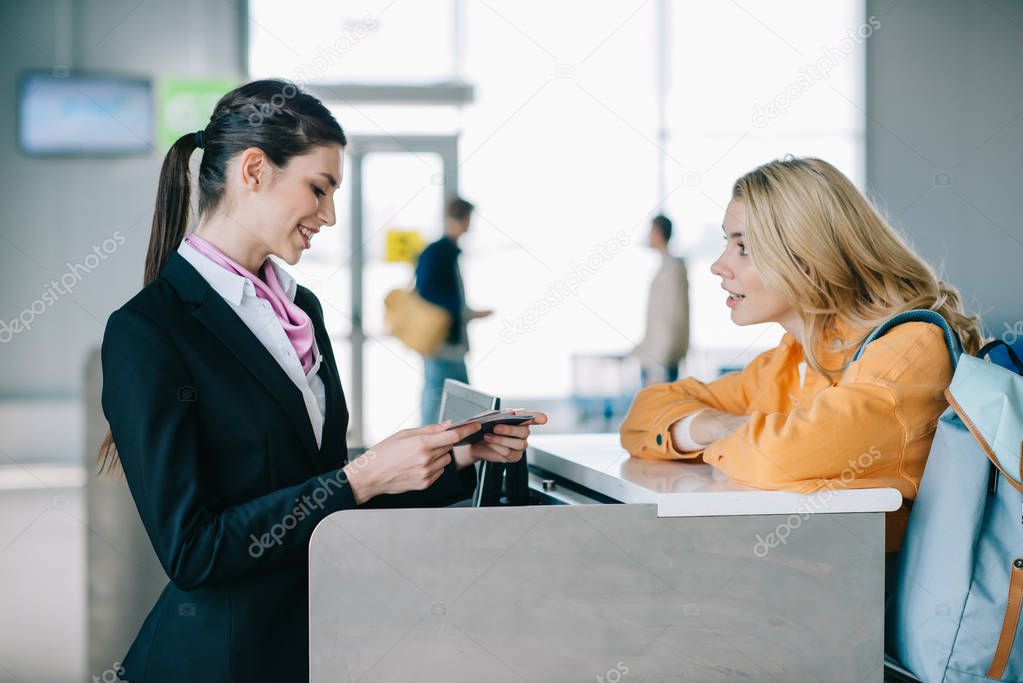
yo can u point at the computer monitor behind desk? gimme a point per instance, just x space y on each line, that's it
498 483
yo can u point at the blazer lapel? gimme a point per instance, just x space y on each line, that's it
335 420
215 314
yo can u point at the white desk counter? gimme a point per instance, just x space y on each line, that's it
684 489
693 578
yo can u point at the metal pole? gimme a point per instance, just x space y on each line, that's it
357 337
663 57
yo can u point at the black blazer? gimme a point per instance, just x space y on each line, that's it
222 463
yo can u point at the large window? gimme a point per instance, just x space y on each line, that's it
356 41
564 154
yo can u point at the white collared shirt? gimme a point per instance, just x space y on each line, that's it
259 316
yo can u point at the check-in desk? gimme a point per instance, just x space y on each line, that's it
691 577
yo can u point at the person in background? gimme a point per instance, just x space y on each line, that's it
439 281
805 249
666 340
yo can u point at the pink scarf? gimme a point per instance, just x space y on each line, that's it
294 320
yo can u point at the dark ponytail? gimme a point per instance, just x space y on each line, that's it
273 115
170 217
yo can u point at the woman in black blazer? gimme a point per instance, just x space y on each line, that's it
215 439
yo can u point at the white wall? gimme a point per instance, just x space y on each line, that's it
945 96
56 210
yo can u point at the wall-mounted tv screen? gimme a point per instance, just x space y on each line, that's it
84 114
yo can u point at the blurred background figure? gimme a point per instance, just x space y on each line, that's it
666 340
439 281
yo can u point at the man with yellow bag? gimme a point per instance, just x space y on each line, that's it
439 282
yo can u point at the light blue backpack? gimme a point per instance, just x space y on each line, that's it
956 612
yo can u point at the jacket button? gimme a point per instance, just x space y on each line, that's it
1018 564
659 440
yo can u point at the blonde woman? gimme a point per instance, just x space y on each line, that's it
804 248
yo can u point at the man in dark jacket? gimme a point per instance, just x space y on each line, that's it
439 281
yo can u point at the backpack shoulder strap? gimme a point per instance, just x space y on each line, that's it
917 315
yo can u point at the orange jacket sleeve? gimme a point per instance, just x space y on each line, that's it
845 431
872 428
645 430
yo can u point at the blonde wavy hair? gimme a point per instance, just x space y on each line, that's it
821 244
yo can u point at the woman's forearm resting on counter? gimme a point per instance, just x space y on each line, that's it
697 431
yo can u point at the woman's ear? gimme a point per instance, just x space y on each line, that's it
253 167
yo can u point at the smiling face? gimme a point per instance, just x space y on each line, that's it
288 206
749 298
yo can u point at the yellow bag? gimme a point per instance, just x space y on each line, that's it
419 325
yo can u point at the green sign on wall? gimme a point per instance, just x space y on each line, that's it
184 105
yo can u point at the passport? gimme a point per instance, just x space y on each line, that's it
490 419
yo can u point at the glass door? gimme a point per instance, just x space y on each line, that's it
396 183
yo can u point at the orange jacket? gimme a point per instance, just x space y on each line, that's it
872 427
